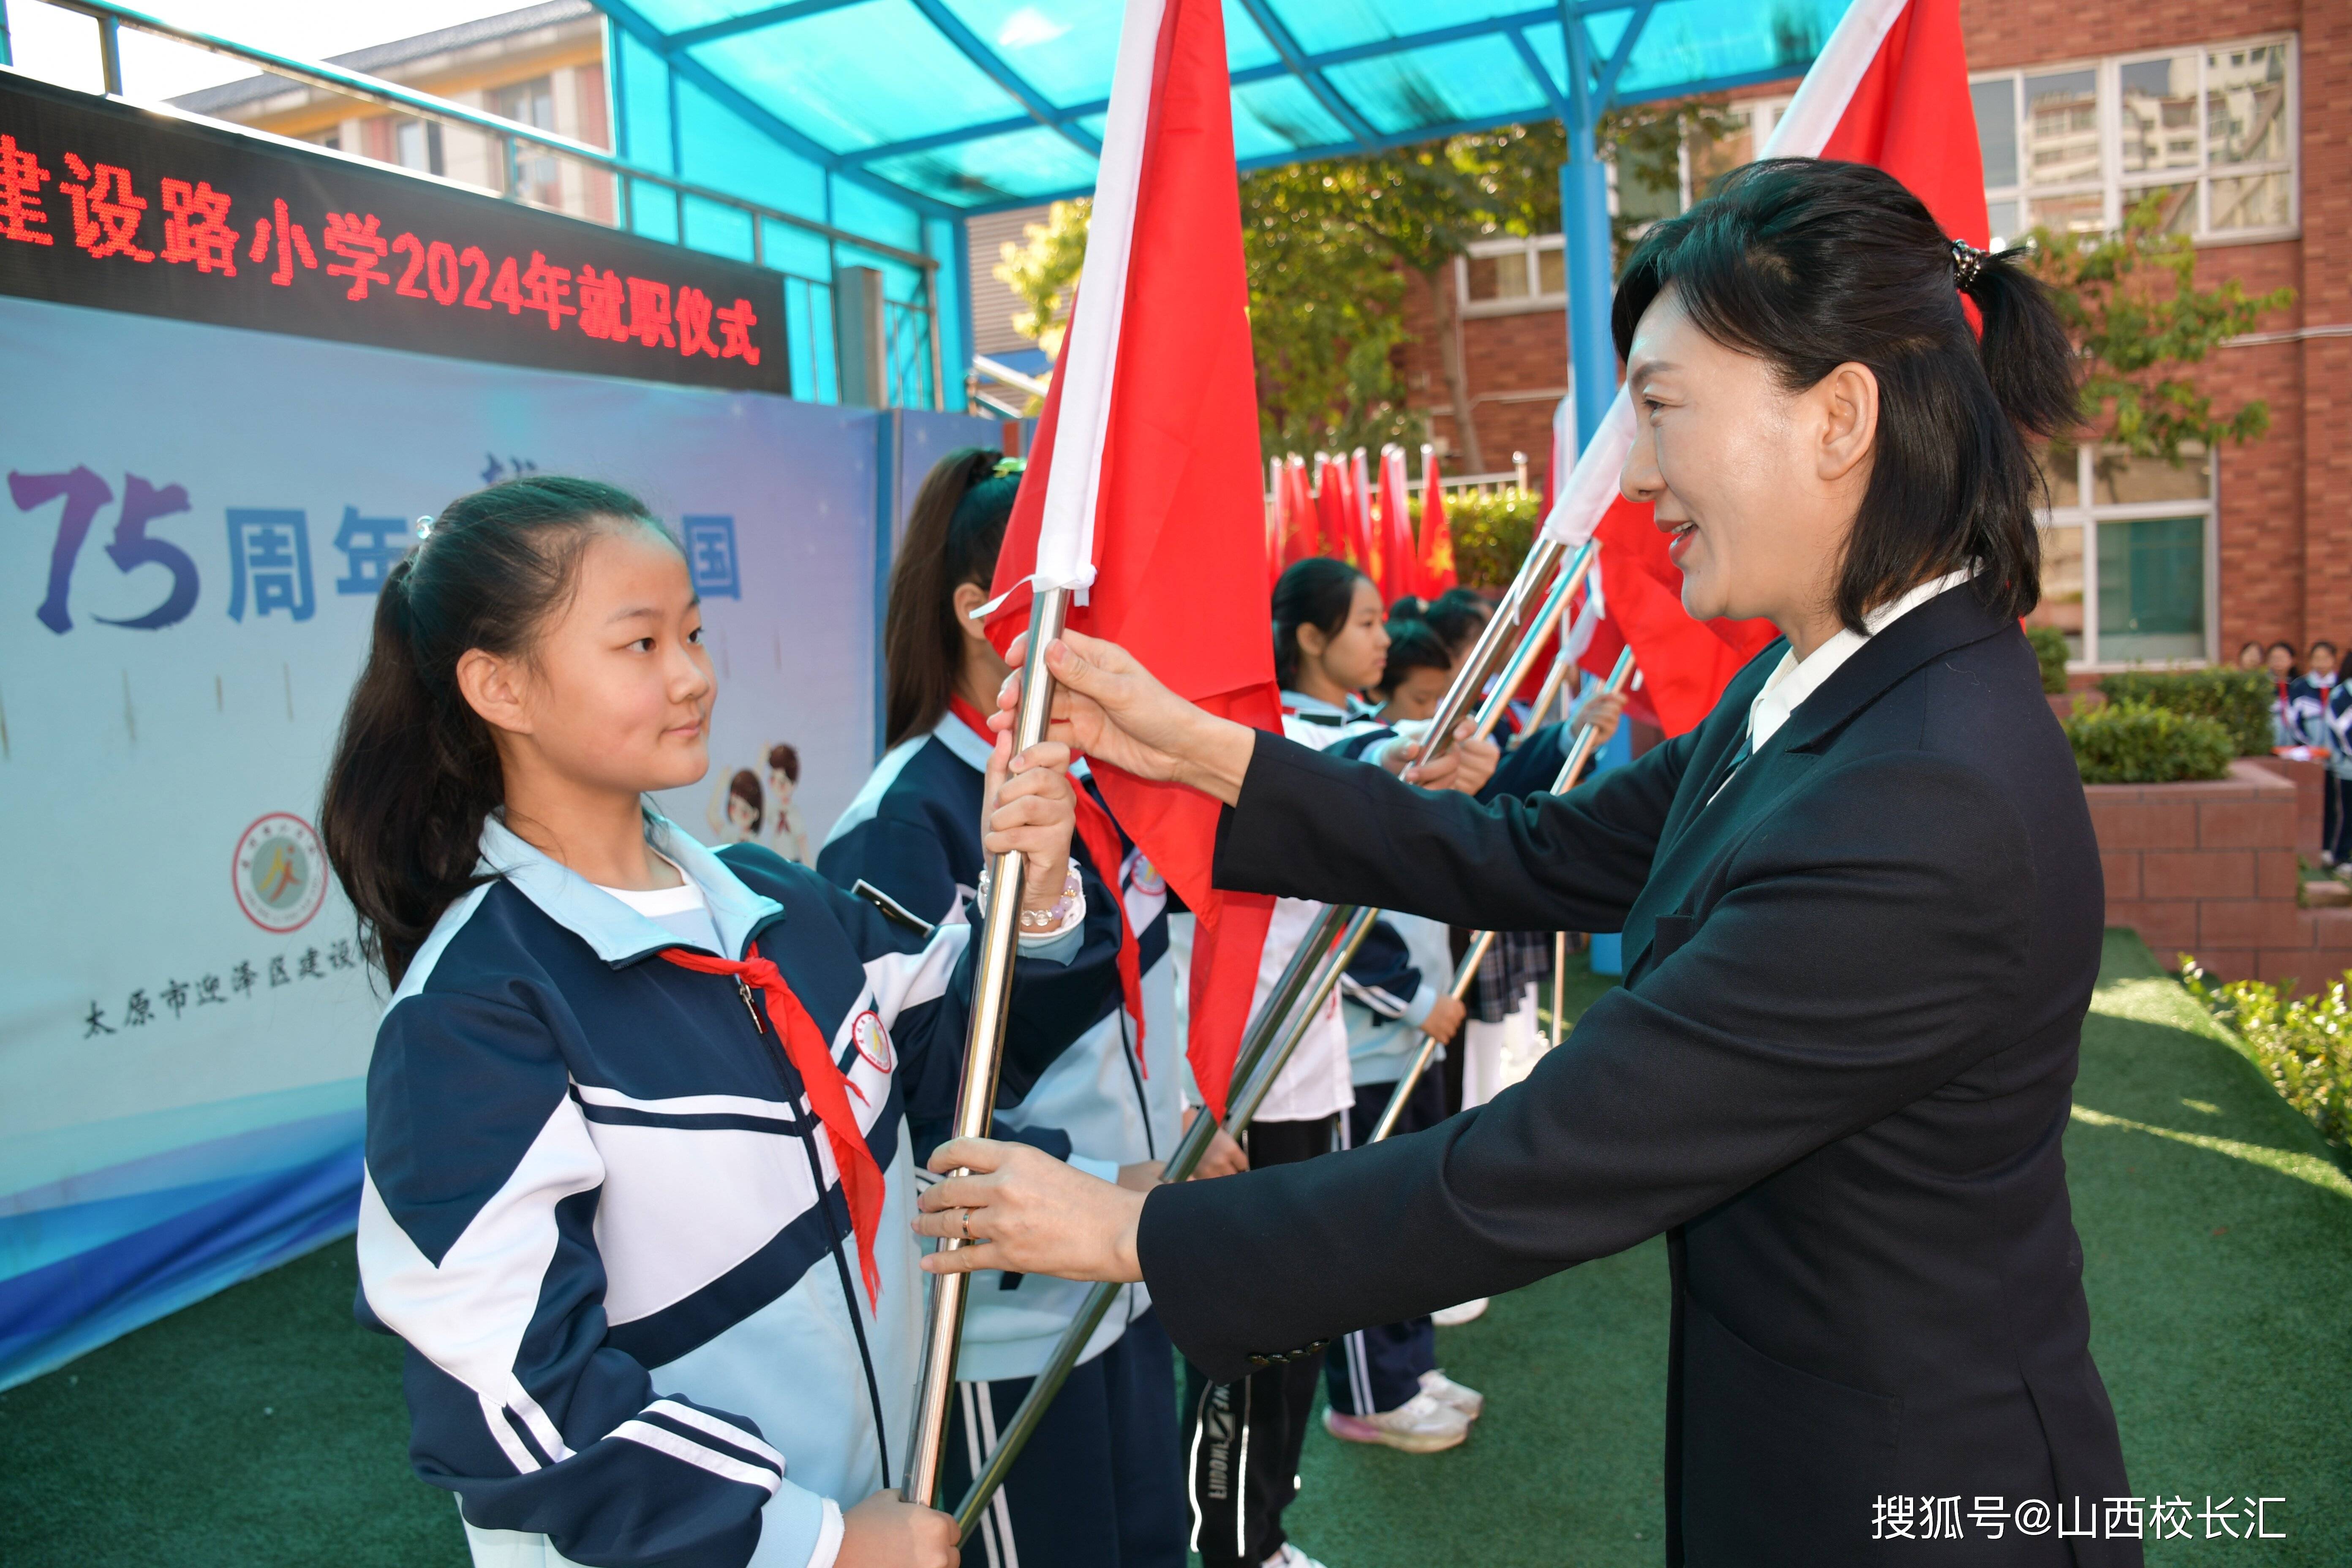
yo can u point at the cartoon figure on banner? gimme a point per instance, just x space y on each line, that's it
787 829
279 873
736 807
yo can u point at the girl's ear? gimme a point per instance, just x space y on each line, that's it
967 598
1849 407
1311 640
493 687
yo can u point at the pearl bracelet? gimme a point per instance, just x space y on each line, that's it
1066 912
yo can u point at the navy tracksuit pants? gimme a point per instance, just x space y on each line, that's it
1379 1369
1100 1482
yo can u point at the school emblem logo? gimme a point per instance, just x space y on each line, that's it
1145 878
279 873
873 1042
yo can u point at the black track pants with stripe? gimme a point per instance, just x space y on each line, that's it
1242 1440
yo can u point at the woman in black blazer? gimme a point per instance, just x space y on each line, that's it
1862 906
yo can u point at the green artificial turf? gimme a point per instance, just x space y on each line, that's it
261 1428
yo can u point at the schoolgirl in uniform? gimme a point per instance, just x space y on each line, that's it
1384 1384
1244 1439
1100 1482
637 1174
2309 697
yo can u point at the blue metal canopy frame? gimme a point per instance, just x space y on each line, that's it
951 109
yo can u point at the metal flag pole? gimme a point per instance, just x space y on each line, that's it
1580 752
1314 968
983 1050
1312 974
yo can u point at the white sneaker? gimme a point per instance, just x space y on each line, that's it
1455 1317
1422 1425
1445 1391
1291 1557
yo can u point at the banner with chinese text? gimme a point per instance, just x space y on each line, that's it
104 203
195 522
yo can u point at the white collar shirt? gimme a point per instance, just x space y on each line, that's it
1794 679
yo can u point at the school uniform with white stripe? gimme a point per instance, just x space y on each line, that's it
1099 1482
636 1197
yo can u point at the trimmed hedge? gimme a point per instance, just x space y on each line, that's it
2049 650
2302 1044
2137 742
2239 699
1492 533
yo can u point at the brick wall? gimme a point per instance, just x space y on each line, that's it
2211 869
2284 529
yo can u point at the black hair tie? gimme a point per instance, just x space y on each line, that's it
1966 262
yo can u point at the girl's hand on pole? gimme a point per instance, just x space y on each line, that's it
1602 710
1027 1212
1465 766
887 1531
1032 810
1224 1156
1115 710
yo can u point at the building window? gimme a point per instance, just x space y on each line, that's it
1506 275
1499 277
537 177
416 144
2127 569
2209 133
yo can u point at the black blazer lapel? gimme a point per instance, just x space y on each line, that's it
1702 830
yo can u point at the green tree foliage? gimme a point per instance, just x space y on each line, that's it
1043 271
2137 334
1326 245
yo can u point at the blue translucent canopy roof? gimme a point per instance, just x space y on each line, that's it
971 105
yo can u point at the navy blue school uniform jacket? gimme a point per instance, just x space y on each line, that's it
601 1212
913 831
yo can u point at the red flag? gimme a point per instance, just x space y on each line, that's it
1400 572
1890 88
1298 540
1331 505
1177 539
1436 565
1363 548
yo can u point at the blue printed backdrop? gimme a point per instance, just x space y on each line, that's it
196 522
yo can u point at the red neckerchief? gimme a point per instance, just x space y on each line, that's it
804 1047
1101 836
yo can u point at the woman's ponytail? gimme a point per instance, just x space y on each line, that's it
416 769
2027 354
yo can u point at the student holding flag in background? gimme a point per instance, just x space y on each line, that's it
1104 1468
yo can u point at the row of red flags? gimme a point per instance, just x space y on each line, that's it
1343 512
1182 536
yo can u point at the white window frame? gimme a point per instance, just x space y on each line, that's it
2117 189
1762 114
1527 250
2087 517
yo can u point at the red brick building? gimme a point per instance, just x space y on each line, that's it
2240 114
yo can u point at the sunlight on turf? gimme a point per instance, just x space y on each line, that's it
2303 1167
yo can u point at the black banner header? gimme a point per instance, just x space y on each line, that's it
108 206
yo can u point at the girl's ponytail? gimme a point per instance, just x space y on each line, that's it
955 530
2027 354
416 769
